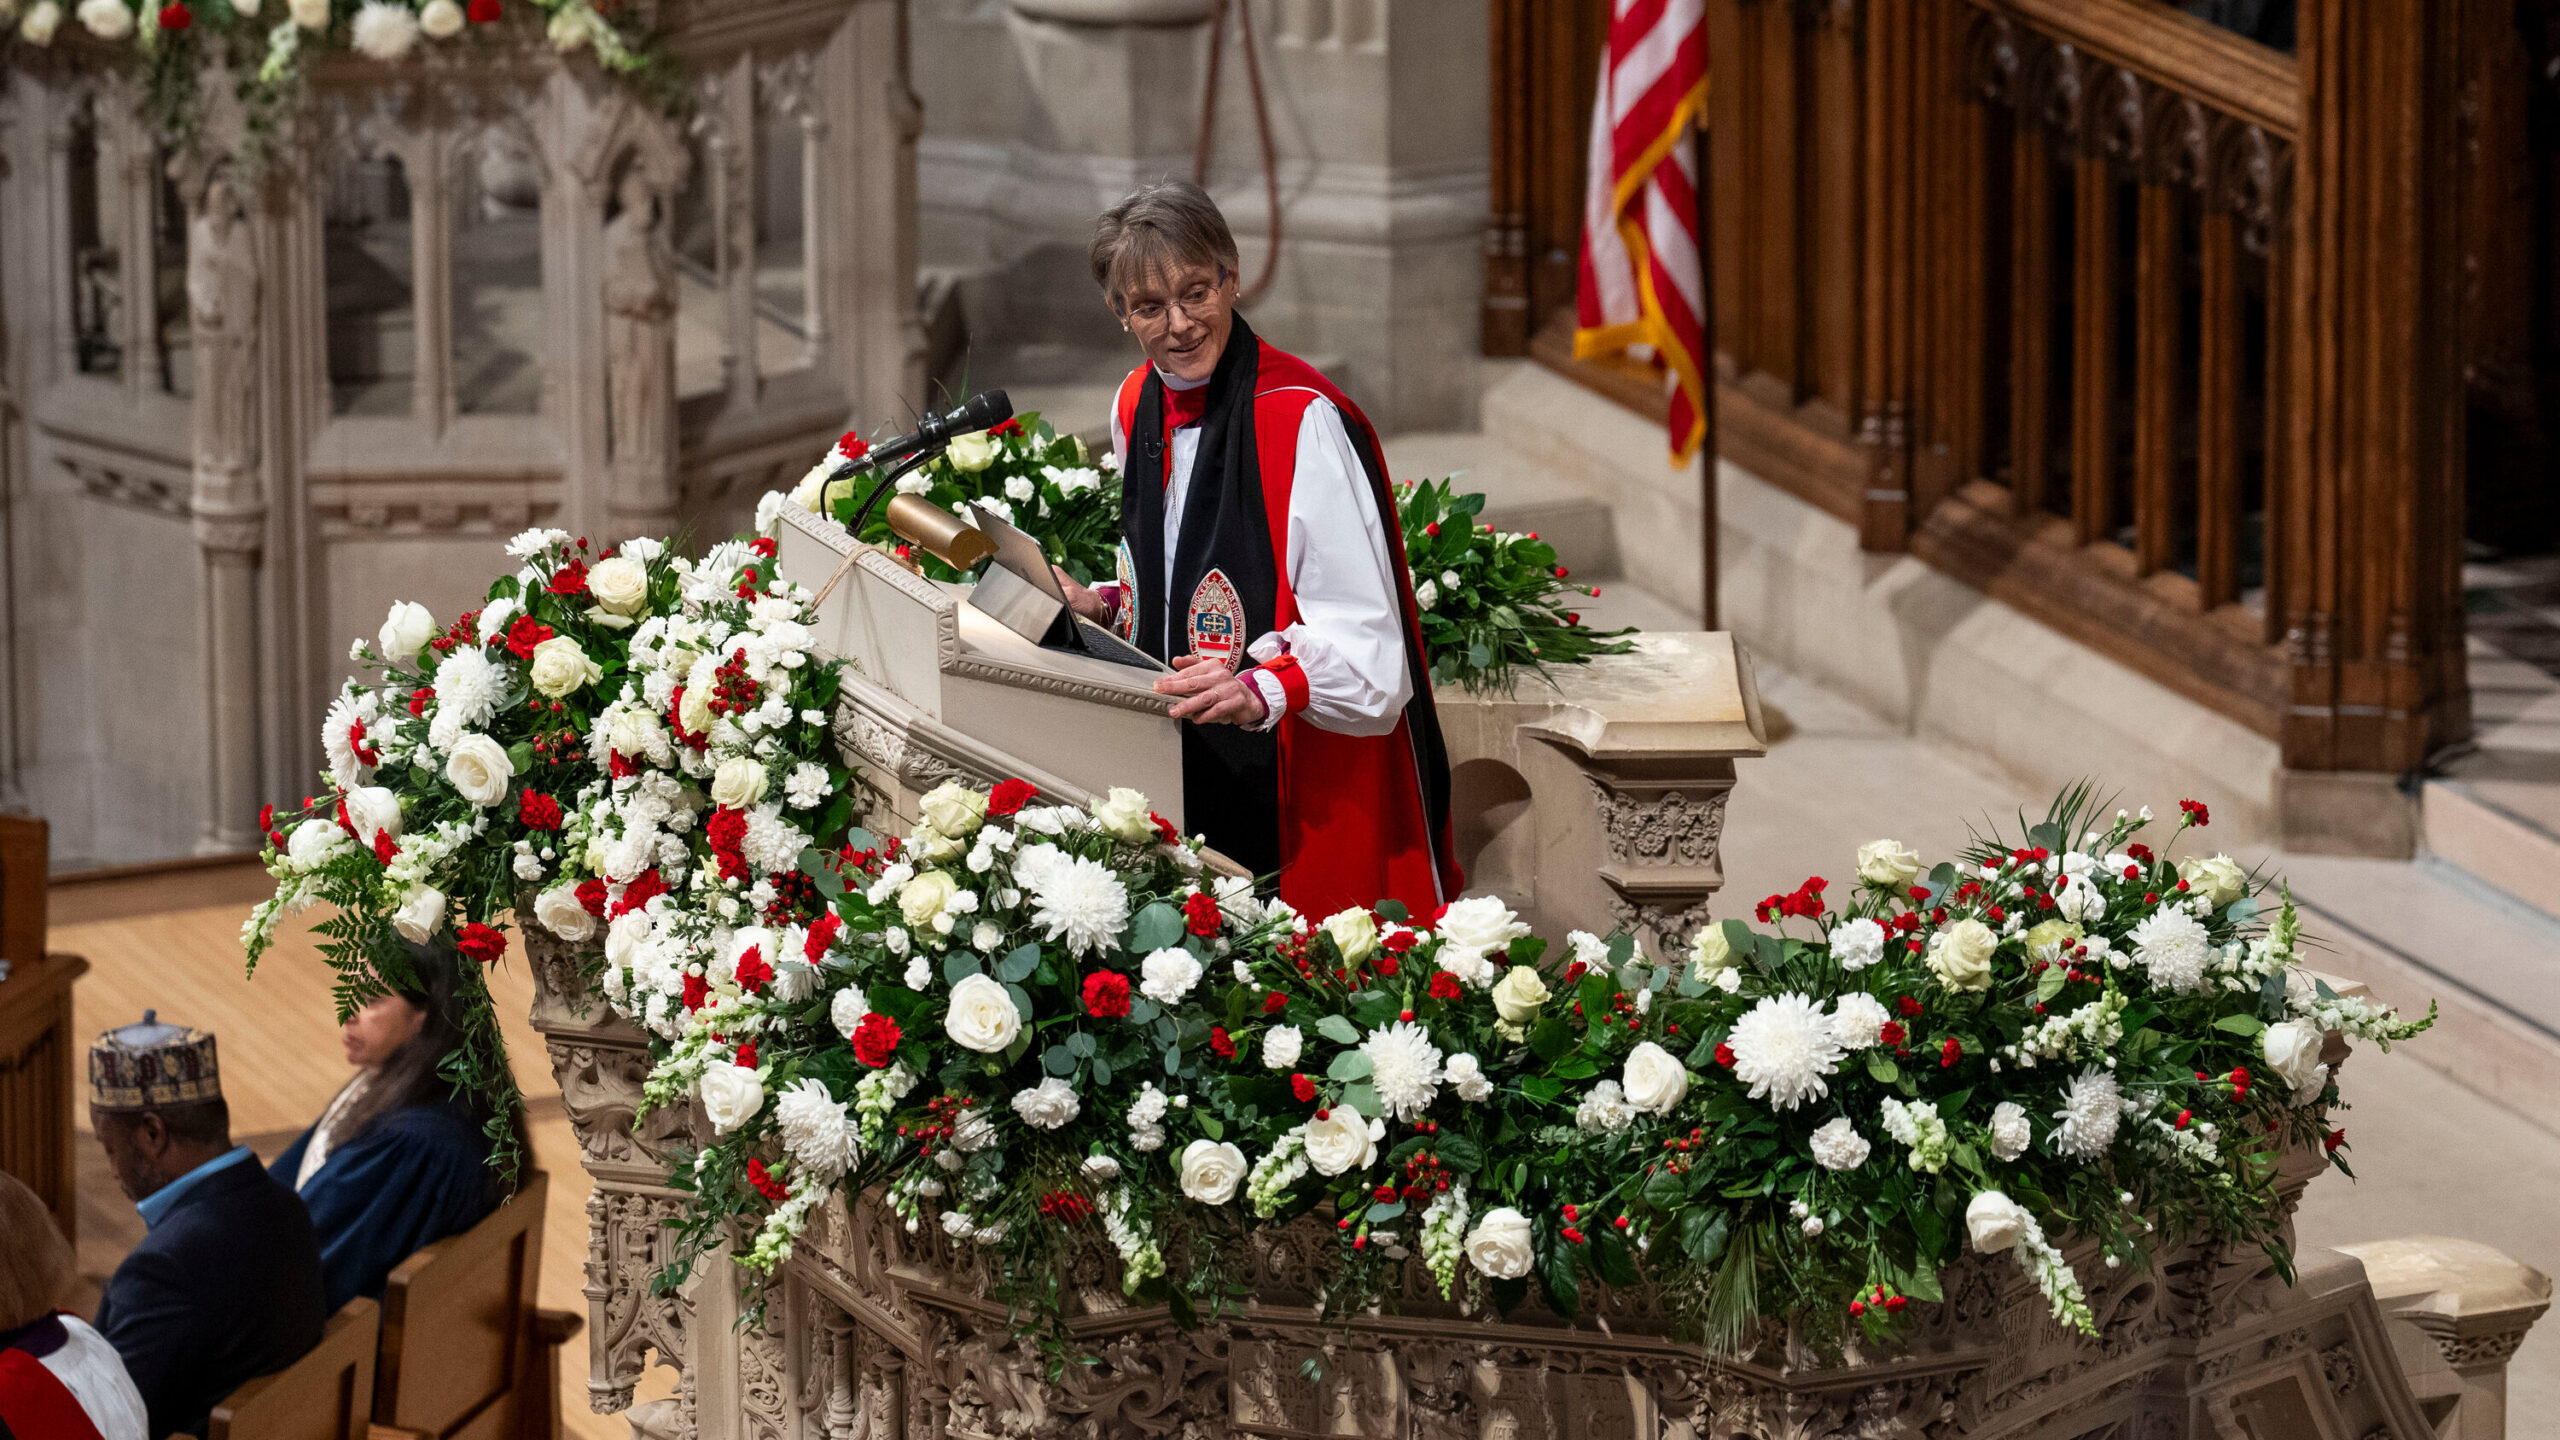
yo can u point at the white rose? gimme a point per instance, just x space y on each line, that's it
1499 1246
420 916
1123 815
44 18
1517 996
312 843
1465 1075
1343 1140
406 631
2292 1050
620 584
561 914
1655 1083
1281 1046
560 666
383 30
739 782
2218 879
982 1016
1960 955
1168 975
694 710
1995 1221
2010 1132
441 19
1354 932
371 809
1426 594
953 810
1480 925
1101 1169
1211 1171
1888 864
926 897
972 452
1709 951
731 1096
1047 1105
106 19
479 768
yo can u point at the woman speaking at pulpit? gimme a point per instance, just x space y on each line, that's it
1261 558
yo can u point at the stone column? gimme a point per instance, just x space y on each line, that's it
229 504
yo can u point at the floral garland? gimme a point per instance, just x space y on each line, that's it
607 728
172 42
2074 1033
1023 470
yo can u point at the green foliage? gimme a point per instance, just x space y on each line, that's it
1492 602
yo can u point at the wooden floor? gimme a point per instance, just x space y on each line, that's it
278 1040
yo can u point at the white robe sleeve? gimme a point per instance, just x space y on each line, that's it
1349 638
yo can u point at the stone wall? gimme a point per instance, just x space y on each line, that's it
246 402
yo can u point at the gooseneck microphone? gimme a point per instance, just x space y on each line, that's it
893 458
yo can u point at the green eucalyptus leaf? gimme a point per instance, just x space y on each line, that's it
1351 1065
1338 1030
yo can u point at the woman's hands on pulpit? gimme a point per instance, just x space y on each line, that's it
1080 598
1211 693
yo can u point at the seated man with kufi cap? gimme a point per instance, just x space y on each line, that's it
226 1285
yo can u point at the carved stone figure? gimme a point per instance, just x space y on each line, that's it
640 354
222 306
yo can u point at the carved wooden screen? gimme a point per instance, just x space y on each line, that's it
1546 70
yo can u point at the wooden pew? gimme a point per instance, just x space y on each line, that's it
465 1355
40 1064
325 1395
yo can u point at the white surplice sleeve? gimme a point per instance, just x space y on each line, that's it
1349 637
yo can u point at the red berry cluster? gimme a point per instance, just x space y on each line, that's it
1879 1299
1572 1235
1424 1175
461 632
733 691
945 1109
795 899
1680 1148
558 745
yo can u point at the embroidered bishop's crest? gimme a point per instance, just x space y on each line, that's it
1217 619
1126 572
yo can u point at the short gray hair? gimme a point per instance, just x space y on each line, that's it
1167 224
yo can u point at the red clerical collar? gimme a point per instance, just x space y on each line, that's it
1184 407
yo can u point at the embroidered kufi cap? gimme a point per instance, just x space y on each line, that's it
139 1066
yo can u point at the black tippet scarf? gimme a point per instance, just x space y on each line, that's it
1230 775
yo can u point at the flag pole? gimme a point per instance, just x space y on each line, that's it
1708 568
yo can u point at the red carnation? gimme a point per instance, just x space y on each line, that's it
591 897
2195 812
570 579
175 17
525 632
1891 1032
696 990
484 12
2333 1140
753 973
726 831
764 546
1221 1043
1444 986
1010 796
482 943
1006 426
418 699
852 446
1106 994
747 1056
822 933
1907 1006
1724 1055
383 849
538 811
365 754
774 1191
1274 1003
1164 828
266 819
1949 1053
637 894
1202 911
875 1040
1398 941
1303 1088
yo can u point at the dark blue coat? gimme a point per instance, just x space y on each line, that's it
417 1175
224 1289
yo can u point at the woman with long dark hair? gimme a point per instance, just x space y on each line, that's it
399 1159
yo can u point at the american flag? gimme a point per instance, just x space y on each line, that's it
1642 289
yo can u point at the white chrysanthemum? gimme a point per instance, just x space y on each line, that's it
1783 1048
1605 1108
2010 1132
805 786
1047 1105
2091 1108
467 687
1077 902
847 1010
2173 946
815 1129
1839 1146
1858 1020
384 31
1406 1069
1168 975
1858 944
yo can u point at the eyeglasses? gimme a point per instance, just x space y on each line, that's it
1198 302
